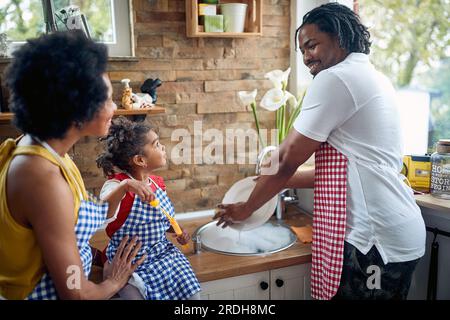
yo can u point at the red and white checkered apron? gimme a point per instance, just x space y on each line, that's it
330 195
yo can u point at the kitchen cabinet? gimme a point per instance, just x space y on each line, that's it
289 283
254 286
253 21
436 214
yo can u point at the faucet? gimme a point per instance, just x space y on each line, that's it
286 195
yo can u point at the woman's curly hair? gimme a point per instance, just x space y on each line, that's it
337 19
124 140
55 82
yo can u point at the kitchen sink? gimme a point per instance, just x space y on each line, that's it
271 237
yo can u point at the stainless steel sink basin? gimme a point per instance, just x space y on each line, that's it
269 238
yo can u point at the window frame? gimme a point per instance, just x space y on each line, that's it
123 24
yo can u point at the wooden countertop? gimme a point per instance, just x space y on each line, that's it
213 266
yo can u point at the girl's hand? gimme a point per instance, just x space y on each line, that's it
183 238
122 267
142 189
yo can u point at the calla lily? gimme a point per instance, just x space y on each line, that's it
291 99
247 97
279 78
275 98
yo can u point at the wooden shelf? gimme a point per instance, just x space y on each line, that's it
148 111
253 21
7 116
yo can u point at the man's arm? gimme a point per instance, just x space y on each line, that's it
293 152
301 179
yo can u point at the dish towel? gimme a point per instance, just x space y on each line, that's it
304 234
330 199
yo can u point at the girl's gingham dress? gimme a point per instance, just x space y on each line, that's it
91 216
166 272
329 221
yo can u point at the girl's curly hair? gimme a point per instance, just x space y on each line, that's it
124 140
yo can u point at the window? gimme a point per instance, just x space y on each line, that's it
411 45
108 21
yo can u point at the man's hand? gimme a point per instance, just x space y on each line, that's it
231 213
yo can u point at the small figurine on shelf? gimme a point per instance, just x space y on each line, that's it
149 86
127 102
133 101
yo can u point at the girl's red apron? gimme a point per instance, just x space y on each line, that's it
166 272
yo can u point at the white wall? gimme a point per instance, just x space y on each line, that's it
414 109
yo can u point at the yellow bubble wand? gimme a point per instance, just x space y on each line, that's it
172 221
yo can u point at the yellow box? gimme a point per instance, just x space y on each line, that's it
417 169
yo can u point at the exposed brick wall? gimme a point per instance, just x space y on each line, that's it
200 79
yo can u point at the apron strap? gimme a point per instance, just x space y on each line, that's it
329 221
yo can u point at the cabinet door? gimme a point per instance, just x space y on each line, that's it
291 283
254 286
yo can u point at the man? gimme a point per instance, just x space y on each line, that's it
368 233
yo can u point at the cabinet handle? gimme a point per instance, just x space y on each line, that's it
279 283
264 285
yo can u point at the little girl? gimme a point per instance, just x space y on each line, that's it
133 152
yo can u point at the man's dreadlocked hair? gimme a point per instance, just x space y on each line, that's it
337 19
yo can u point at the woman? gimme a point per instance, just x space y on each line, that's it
60 93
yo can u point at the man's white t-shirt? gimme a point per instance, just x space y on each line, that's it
352 107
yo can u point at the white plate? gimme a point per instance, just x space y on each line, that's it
240 192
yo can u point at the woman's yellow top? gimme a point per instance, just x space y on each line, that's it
21 262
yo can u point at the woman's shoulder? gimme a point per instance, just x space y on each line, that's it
37 183
33 166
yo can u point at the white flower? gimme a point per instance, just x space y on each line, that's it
279 78
247 97
275 98
291 99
